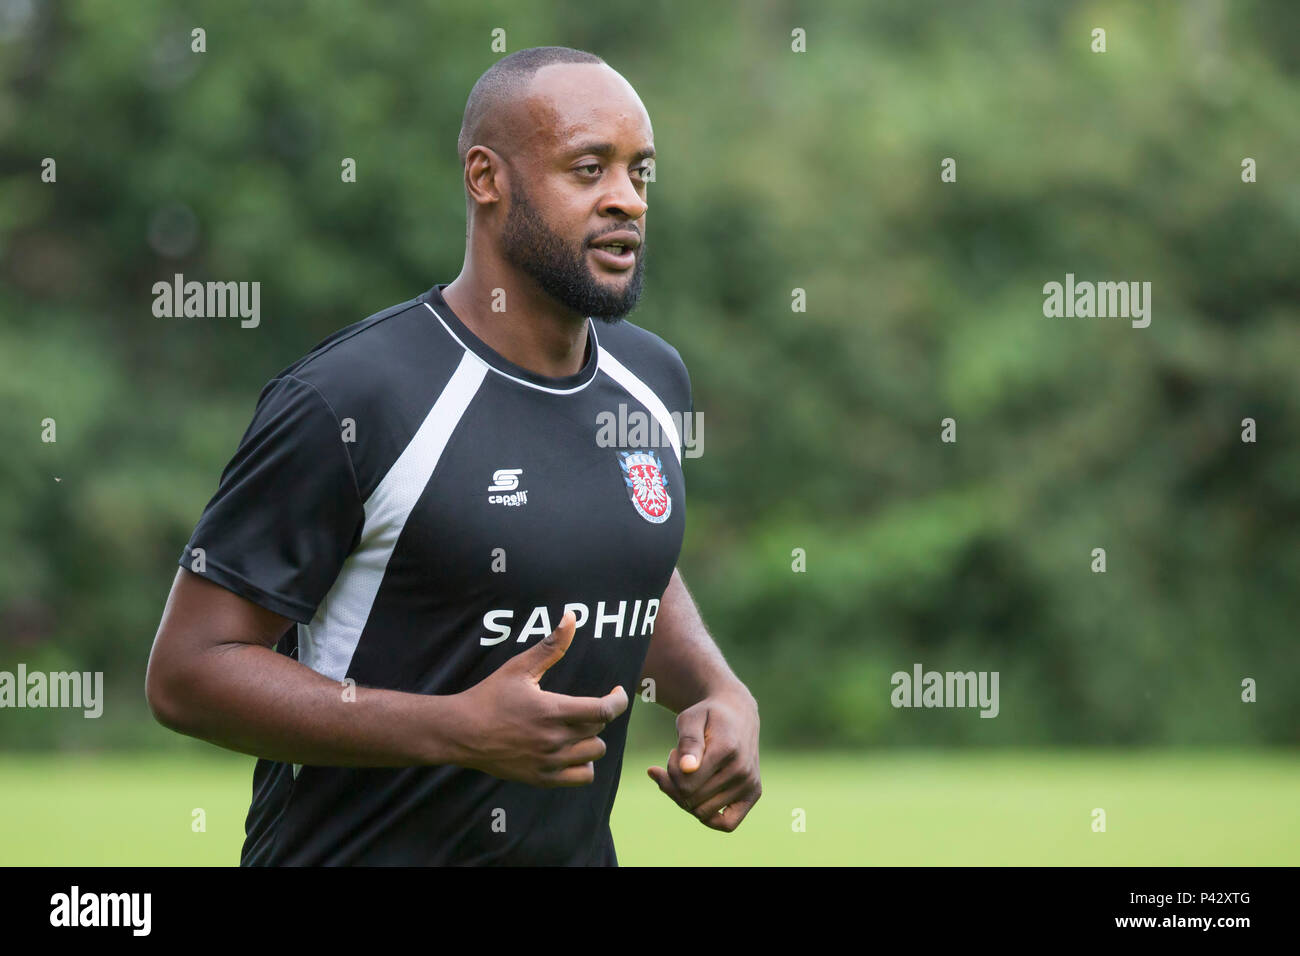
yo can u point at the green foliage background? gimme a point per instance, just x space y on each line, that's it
776 170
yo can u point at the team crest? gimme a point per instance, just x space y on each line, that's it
646 485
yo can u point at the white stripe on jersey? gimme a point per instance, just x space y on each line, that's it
328 643
643 394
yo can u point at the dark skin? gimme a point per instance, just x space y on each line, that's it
213 672
580 192
713 771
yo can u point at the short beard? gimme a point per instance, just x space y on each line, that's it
562 270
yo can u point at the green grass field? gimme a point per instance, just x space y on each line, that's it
994 808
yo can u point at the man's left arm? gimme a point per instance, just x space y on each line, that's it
715 763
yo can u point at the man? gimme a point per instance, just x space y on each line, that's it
423 513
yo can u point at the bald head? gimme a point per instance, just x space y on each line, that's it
490 109
557 149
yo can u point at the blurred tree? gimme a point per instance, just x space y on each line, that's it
777 171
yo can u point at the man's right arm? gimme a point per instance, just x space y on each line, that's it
214 674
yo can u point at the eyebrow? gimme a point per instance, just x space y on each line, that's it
607 149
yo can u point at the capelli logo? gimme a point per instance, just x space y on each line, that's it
507 480
102 909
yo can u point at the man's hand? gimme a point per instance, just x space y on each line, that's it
715 763
517 731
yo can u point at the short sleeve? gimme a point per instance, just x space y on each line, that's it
287 511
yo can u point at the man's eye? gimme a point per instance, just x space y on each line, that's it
595 166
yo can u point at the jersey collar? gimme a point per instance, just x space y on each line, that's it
458 330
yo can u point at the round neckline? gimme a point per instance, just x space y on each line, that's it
499 363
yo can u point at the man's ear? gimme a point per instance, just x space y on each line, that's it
485 176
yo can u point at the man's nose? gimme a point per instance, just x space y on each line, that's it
624 199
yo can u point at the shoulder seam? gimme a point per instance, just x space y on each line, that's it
400 309
657 342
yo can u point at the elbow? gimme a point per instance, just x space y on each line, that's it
164 700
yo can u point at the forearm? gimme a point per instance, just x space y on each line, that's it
248 698
683 661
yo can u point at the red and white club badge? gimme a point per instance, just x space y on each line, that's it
646 485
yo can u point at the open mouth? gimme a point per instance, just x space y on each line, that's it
615 255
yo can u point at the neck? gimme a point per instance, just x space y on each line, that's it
535 332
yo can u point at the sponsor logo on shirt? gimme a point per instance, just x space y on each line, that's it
643 474
507 479
631 619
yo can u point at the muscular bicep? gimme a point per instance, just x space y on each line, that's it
200 614
199 620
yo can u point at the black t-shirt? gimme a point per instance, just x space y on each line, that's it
426 509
